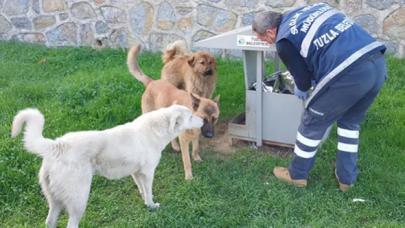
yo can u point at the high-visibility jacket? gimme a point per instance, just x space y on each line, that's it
328 41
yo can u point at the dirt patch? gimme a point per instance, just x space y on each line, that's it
223 144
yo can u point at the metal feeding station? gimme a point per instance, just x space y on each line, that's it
269 117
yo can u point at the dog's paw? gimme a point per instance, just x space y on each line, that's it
189 177
153 205
197 158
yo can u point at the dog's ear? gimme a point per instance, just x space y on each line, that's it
191 60
195 101
176 120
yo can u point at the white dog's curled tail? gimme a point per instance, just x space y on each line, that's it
33 139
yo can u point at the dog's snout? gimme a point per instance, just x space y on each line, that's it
208 72
208 134
207 129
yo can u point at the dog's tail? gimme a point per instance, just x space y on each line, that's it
178 47
33 139
133 66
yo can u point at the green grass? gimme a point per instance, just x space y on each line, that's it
82 89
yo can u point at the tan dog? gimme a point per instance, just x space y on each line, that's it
160 93
193 72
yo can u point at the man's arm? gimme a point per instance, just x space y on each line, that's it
295 64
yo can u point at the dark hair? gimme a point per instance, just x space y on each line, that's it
266 20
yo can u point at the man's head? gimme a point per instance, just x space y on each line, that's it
265 25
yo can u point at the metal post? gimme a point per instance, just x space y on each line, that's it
259 97
276 62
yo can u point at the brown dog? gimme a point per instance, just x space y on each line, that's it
193 72
160 93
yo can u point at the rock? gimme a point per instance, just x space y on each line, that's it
113 15
247 18
279 3
86 35
21 23
158 41
368 22
101 27
35 6
334 3
119 38
166 17
241 4
141 18
202 34
353 6
380 4
53 5
64 34
184 10
216 19
42 22
185 25
394 24
82 10
13 7
31 37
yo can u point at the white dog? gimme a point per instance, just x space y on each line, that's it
69 162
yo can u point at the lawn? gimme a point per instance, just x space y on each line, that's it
82 89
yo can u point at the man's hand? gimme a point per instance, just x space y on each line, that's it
303 95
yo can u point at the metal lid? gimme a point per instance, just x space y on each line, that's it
238 39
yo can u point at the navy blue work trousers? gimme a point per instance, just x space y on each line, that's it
344 101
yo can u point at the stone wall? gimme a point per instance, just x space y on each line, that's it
121 23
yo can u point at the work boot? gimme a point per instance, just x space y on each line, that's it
283 174
342 187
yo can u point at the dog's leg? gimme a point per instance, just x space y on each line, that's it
184 145
77 197
196 149
54 210
147 181
175 145
138 183
55 207
77 208
74 219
